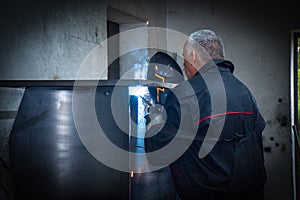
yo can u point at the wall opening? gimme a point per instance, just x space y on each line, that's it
113 29
295 110
132 65
297 70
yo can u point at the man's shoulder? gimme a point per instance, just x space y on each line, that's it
197 83
188 89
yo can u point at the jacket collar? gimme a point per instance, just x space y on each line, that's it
220 63
225 64
211 65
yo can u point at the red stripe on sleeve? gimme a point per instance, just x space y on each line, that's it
222 114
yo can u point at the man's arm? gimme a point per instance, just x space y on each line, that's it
163 135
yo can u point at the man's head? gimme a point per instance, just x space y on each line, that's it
200 47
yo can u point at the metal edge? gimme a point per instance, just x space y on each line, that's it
71 83
292 107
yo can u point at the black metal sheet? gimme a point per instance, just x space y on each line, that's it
47 157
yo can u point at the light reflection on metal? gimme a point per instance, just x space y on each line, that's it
157 93
62 129
160 77
131 174
159 89
138 145
139 91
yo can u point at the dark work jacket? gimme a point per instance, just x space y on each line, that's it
234 167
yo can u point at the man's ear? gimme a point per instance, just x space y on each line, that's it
193 56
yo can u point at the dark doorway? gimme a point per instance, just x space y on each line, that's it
295 83
113 46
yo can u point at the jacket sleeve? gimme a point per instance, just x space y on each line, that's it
260 123
163 135
259 126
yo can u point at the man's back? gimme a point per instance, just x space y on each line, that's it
235 165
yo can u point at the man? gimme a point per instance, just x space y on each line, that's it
225 158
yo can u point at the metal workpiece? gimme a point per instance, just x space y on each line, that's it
47 157
50 161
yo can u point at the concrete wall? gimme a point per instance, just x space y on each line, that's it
133 61
256 35
50 39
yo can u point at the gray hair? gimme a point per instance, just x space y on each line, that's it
211 43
